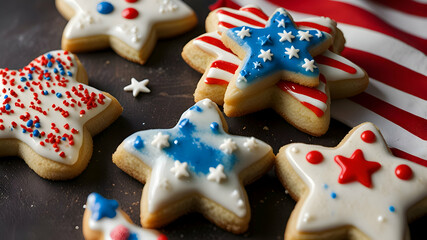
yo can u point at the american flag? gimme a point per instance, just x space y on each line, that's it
388 38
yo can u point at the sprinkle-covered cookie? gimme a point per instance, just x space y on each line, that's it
131 28
356 190
48 114
195 166
103 219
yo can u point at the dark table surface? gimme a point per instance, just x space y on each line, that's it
34 208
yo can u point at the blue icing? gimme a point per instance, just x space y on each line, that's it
104 7
102 207
269 38
196 108
139 143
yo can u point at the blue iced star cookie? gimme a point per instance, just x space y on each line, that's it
280 49
196 163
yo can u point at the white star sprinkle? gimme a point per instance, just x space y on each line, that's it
239 201
160 140
243 33
165 184
250 143
216 174
266 55
281 23
228 146
304 35
286 36
180 169
292 52
319 34
309 65
257 65
137 87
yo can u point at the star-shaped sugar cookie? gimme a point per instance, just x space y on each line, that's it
356 189
218 73
201 168
131 28
48 114
103 219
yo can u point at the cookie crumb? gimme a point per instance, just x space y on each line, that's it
107 62
265 128
77 227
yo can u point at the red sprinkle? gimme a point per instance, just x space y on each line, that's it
130 13
368 136
314 157
403 172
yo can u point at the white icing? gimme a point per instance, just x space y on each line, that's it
161 163
74 120
106 225
365 208
88 22
136 87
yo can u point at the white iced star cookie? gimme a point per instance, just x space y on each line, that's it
357 189
103 219
136 87
201 169
130 28
48 115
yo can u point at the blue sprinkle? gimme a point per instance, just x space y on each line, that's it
196 108
132 236
49 56
392 209
37 125
49 64
58 95
325 186
104 7
69 74
102 207
45 92
6 96
25 87
23 79
214 127
62 72
333 195
46 71
24 131
33 68
7 107
183 122
30 77
30 123
60 66
55 70
139 143
48 78
57 61
64 138
36 133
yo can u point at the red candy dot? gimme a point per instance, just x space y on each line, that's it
120 233
314 157
162 237
131 1
403 172
368 136
130 13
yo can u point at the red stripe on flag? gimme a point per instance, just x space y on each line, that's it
315 26
215 81
256 12
389 72
226 25
224 3
320 59
410 7
349 14
241 18
224 65
401 154
412 123
215 42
